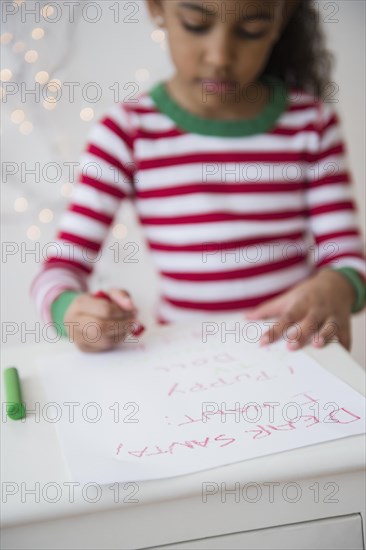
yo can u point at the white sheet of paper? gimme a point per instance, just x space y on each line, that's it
174 403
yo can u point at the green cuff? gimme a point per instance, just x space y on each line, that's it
358 284
59 307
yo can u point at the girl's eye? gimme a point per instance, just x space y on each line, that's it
241 33
192 28
251 35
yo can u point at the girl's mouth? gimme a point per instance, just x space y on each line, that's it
220 84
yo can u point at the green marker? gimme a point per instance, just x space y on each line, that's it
15 408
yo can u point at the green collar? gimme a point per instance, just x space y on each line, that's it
190 122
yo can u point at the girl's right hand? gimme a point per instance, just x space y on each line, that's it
96 324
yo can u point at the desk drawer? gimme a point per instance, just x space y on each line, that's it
344 533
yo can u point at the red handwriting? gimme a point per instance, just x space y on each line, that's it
262 376
221 358
305 393
207 416
191 444
247 411
335 417
260 431
191 420
312 418
339 416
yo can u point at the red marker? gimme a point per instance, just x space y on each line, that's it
100 294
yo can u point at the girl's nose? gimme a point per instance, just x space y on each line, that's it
220 52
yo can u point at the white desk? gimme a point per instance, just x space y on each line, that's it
317 500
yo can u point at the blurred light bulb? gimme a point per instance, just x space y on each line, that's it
33 232
119 230
142 75
48 104
66 189
54 83
18 47
47 11
31 56
87 114
37 33
6 38
158 35
42 77
5 75
17 116
20 204
26 128
45 215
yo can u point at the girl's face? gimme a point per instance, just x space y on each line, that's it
226 42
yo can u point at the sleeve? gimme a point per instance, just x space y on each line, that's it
105 177
332 213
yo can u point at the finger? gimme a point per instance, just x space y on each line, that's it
91 342
345 337
122 331
308 328
116 329
99 333
279 329
105 309
270 308
326 333
122 298
334 331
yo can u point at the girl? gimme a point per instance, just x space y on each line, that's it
238 172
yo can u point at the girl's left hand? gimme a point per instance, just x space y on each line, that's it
319 308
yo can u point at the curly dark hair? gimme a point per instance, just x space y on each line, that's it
300 57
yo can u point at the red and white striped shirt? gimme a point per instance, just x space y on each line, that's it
230 220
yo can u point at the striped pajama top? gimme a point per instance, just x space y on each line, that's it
234 212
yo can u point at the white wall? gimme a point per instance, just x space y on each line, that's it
107 52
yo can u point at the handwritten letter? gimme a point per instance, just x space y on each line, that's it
176 403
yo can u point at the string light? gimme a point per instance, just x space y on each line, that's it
20 204
66 189
18 47
5 75
48 104
47 11
31 56
54 82
25 51
42 77
87 114
6 38
33 232
26 128
17 116
142 75
45 215
119 231
53 87
37 33
158 36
